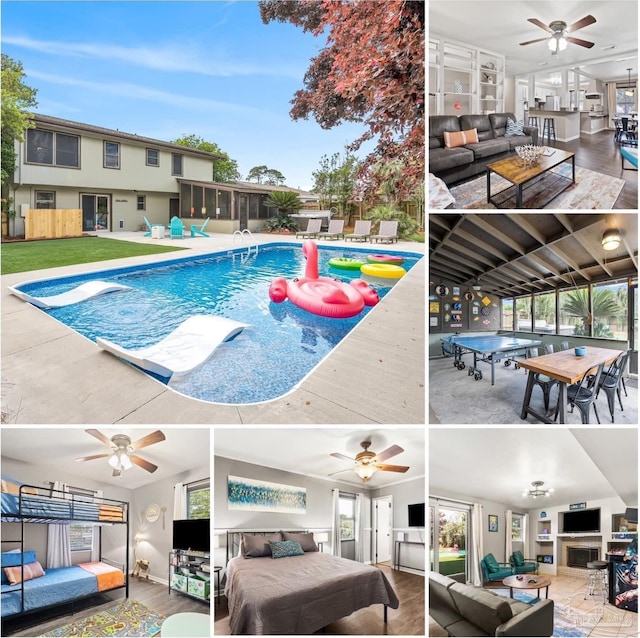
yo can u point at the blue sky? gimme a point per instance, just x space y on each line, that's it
167 69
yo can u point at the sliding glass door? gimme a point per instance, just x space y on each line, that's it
449 537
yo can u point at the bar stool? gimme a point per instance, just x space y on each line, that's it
533 121
596 580
548 127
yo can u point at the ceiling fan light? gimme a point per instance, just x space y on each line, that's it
114 461
552 44
365 472
125 461
611 239
562 43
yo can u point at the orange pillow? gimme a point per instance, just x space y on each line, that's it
460 138
32 570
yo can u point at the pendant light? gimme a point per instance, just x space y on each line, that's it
629 91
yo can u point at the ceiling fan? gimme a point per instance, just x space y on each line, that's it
121 456
560 33
367 463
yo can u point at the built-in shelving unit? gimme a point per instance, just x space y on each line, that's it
190 573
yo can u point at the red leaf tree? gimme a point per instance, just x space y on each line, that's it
371 71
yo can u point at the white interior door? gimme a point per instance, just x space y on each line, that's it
383 524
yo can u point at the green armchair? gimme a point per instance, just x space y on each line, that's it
522 565
493 571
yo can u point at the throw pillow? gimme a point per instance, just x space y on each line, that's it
32 570
460 138
518 558
491 563
283 549
514 128
305 539
254 546
13 558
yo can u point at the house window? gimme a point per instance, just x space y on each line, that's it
67 150
347 517
45 199
624 103
141 202
545 312
507 314
153 157
610 309
39 146
523 314
199 499
111 155
575 310
81 537
176 164
516 527
53 149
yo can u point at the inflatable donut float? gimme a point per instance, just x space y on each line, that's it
346 263
385 259
385 271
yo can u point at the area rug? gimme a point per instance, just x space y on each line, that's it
591 191
128 618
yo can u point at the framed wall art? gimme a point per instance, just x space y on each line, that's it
261 496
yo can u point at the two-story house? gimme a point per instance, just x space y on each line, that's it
117 179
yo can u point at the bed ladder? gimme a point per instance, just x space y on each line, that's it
243 235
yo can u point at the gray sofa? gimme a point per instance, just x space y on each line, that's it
454 164
463 610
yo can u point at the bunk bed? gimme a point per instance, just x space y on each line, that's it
26 587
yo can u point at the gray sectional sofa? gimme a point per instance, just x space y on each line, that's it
464 610
454 164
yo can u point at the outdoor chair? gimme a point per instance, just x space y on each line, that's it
583 395
493 571
199 230
387 233
361 231
176 228
313 228
150 226
611 380
545 382
522 565
335 230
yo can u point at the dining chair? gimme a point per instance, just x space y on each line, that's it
583 395
566 345
611 380
545 382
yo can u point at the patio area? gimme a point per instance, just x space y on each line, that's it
51 374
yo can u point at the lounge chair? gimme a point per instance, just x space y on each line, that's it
313 228
199 230
387 233
335 230
187 347
83 292
150 227
361 231
176 228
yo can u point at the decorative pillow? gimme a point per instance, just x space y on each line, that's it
305 539
10 486
518 558
32 570
514 128
491 563
282 549
460 138
254 546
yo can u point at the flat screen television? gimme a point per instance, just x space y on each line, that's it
416 515
192 534
581 521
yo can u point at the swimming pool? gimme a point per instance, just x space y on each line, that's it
268 359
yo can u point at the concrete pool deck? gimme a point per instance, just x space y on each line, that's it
51 374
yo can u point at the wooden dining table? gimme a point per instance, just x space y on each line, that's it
567 368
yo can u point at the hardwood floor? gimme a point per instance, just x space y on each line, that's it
153 595
407 620
598 152
568 591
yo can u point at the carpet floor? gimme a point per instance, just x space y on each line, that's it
591 191
128 618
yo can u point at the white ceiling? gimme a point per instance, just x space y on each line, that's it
183 449
499 26
307 451
498 464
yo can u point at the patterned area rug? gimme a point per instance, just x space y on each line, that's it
128 618
591 191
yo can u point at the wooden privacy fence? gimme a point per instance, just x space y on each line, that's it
51 223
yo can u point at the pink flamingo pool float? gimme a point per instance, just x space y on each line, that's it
322 295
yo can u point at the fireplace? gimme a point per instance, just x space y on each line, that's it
580 556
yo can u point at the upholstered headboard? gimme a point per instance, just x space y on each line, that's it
234 536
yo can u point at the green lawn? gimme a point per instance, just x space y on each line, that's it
34 255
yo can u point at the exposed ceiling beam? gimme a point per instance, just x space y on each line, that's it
528 227
549 267
495 232
481 244
447 235
570 262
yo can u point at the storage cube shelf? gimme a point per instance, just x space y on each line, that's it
188 574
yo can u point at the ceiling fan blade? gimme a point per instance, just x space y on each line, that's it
145 465
101 437
542 25
388 453
533 41
392 468
150 439
116 472
582 43
341 456
580 24
349 469
94 456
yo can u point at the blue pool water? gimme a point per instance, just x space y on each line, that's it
266 360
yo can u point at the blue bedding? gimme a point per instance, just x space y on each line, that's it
56 586
39 507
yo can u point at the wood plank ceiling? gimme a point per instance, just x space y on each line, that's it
514 254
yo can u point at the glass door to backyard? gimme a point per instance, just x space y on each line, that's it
449 536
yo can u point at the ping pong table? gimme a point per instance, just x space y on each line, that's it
490 349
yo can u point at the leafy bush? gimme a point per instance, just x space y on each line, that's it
280 223
407 226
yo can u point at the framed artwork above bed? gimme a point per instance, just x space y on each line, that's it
261 496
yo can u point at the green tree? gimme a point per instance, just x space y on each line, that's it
605 304
265 175
335 180
17 97
225 169
284 201
200 503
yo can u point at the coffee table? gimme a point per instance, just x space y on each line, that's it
530 180
512 583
